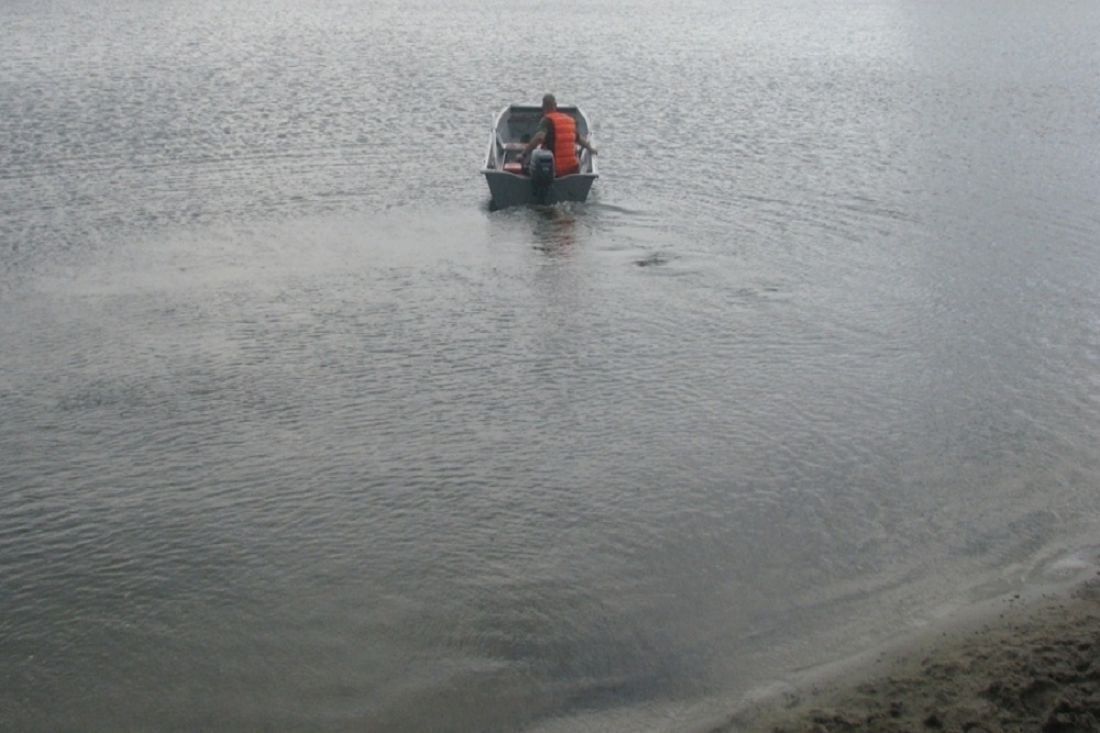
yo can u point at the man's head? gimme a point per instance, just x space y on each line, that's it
549 104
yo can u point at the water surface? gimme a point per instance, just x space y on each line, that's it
298 435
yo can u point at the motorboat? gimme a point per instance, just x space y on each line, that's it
515 182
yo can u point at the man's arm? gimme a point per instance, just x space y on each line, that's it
586 144
534 143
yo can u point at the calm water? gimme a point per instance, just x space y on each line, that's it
297 435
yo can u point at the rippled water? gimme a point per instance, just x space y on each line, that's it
297 435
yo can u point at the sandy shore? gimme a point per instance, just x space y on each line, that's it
1031 666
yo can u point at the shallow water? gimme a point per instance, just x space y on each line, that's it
298 435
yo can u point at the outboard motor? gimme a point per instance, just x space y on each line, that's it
541 170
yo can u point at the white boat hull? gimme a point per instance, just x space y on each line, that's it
510 189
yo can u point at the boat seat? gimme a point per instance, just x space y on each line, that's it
508 147
514 167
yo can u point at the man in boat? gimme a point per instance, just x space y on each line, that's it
557 132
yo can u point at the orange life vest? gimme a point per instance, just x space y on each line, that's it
565 141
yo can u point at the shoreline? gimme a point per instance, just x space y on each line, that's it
1012 664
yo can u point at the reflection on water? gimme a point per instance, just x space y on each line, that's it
555 229
298 434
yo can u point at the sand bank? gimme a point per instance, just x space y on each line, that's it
1024 666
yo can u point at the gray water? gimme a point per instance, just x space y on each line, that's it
298 435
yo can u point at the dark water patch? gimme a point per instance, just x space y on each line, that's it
652 260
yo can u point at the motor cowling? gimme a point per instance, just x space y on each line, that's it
541 167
